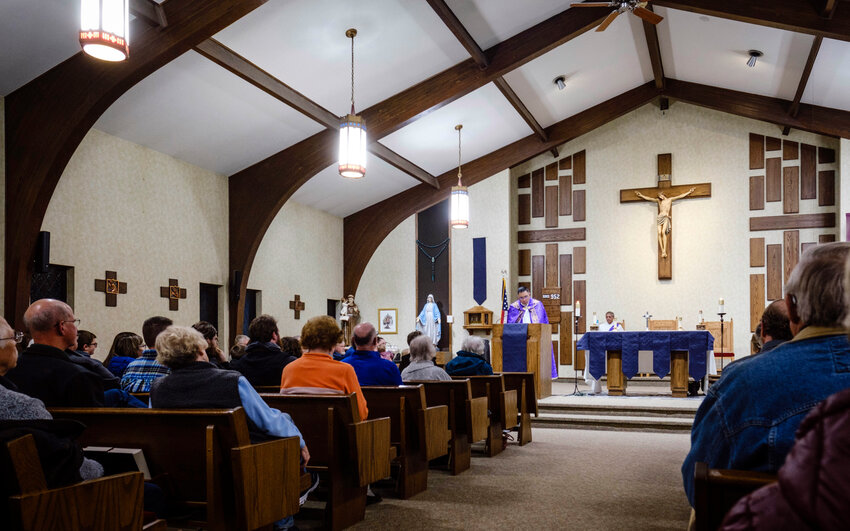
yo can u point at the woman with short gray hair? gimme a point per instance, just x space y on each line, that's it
422 366
470 359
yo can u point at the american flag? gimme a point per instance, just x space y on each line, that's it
504 300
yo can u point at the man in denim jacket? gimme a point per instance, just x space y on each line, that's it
748 418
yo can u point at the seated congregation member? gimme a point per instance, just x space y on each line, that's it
405 354
339 351
242 339
196 383
86 343
263 361
236 352
422 366
140 373
382 349
748 418
44 370
316 369
775 328
290 347
370 367
214 352
470 359
83 359
126 347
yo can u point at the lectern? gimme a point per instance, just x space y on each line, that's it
537 355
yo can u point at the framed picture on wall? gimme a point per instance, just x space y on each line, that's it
387 321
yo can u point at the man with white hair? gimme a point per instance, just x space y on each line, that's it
749 417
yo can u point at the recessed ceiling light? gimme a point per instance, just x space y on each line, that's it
754 55
560 82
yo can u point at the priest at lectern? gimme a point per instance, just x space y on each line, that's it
529 310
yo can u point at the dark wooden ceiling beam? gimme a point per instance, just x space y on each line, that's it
804 80
256 76
828 8
366 229
523 111
654 48
151 11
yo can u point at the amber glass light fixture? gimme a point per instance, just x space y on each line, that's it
104 29
352 133
459 202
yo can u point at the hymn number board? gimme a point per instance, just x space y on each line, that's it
552 303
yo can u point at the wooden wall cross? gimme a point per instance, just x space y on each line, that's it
173 292
664 194
111 287
297 305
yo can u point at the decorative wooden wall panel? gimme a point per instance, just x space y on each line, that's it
798 221
524 181
756 300
774 272
756 151
579 260
791 252
580 294
806 246
566 163
538 270
826 155
566 277
756 252
551 206
551 265
808 171
524 262
790 150
579 175
524 209
757 192
565 203
551 235
773 182
578 205
537 193
826 188
552 172
791 189
565 356
826 238
772 144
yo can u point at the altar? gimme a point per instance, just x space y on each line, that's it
681 353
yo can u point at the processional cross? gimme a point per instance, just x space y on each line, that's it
663 195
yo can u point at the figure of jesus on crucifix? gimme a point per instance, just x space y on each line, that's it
664 221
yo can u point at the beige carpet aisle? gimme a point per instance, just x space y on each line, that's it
565 479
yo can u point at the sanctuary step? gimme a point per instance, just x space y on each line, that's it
612 422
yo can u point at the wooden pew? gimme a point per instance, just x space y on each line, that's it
203 458
468 420
523 383
349 452
502 404
716 491
112 502
419 432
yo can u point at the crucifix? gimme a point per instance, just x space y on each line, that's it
664 195
297 305
111 287
173 292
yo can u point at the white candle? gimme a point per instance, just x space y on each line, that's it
578 308
720 305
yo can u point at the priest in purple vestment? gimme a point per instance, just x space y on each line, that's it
529 310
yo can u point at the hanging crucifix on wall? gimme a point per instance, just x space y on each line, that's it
173 292
664 195
111 287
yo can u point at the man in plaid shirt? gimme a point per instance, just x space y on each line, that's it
139 374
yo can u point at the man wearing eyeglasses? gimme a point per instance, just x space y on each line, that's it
44 370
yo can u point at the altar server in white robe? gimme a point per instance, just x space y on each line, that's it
611 326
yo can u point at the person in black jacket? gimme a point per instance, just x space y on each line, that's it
263 361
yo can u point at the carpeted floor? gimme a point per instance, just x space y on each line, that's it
564 479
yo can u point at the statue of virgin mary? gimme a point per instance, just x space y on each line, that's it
428 321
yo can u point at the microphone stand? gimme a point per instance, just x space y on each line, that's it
576 392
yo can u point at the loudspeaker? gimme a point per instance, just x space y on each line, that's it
42 252
235 284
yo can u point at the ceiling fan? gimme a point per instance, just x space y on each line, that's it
636 7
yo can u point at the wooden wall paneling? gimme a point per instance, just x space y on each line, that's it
578 205
524 181
774 272
826 238
566 163
565 356
524 209
552 206
555 329
796 221
556 345
579 170
772 144
552 172
538 273
551 235
756 252
808 172
551 265
579 260
756 151
580 294
756 300
524 262
773 180
791 190
826 155
537 193
757 192
790 150
791 252
806 246
526 285
565 193
566 276
826 188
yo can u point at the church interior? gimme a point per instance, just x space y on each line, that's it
200 178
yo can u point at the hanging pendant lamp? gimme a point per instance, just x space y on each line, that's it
104 26
459 202
352 133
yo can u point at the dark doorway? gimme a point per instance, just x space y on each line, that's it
332 307
251 296
209 303
53 284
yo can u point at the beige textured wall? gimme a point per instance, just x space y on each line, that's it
301 253
2 203
122 207
710 236
843 191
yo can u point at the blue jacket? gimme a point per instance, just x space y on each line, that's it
468 364
748 418
372 369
